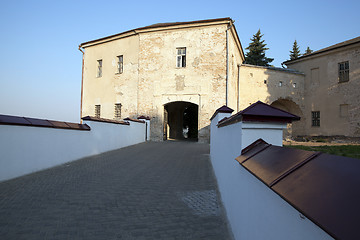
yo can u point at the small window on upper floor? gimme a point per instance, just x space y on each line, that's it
344 71
315 118
181 58
99 68
280 83
97 111
120 64
117 111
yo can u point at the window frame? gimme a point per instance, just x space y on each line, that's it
315 118
343 72
120 64
181 57
99 68
117 110
97 110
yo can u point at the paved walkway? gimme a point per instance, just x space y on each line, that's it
147 191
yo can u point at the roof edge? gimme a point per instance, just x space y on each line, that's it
288 70
154 26
326 49
104 120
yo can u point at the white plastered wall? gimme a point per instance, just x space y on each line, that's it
253 210
27 149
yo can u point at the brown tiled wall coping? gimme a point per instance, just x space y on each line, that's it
144 117
35 122
259 112
89 118
134 120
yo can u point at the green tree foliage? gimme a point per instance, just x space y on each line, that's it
295 53
308 51
256 51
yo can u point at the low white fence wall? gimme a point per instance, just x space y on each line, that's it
26 149
253 210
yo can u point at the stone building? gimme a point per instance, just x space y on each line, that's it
331 99
180 73
176 73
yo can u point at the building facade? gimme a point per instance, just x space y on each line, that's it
176 73
180 73
331 99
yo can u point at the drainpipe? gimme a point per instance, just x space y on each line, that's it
238 89
82 79
227 61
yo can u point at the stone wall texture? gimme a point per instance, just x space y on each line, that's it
151 79
338 103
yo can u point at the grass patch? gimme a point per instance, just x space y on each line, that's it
352 151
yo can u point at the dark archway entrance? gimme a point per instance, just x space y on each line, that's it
295 128
181 121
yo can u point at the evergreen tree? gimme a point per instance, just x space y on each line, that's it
256 51
308 51
295 53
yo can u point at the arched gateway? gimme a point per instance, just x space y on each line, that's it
295 128
181 121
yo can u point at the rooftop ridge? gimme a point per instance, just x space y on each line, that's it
326 49
158 25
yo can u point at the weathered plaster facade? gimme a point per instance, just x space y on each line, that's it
282 88
338 102
215 76
151 79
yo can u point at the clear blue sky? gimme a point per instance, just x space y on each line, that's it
40 62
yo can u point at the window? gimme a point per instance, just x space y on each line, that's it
315 76
117 113
280 84
181 58
120 64
97 111
99 68
344 110
315 119
344 71
294 85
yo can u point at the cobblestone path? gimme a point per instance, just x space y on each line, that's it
148 191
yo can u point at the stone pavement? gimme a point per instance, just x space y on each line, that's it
148 191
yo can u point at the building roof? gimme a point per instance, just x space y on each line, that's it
158 25
35 122
330 48
288 70
260 112
323 187
223 109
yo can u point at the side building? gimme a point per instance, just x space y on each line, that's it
331 105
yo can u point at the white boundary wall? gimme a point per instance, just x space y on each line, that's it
27 149
253 210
